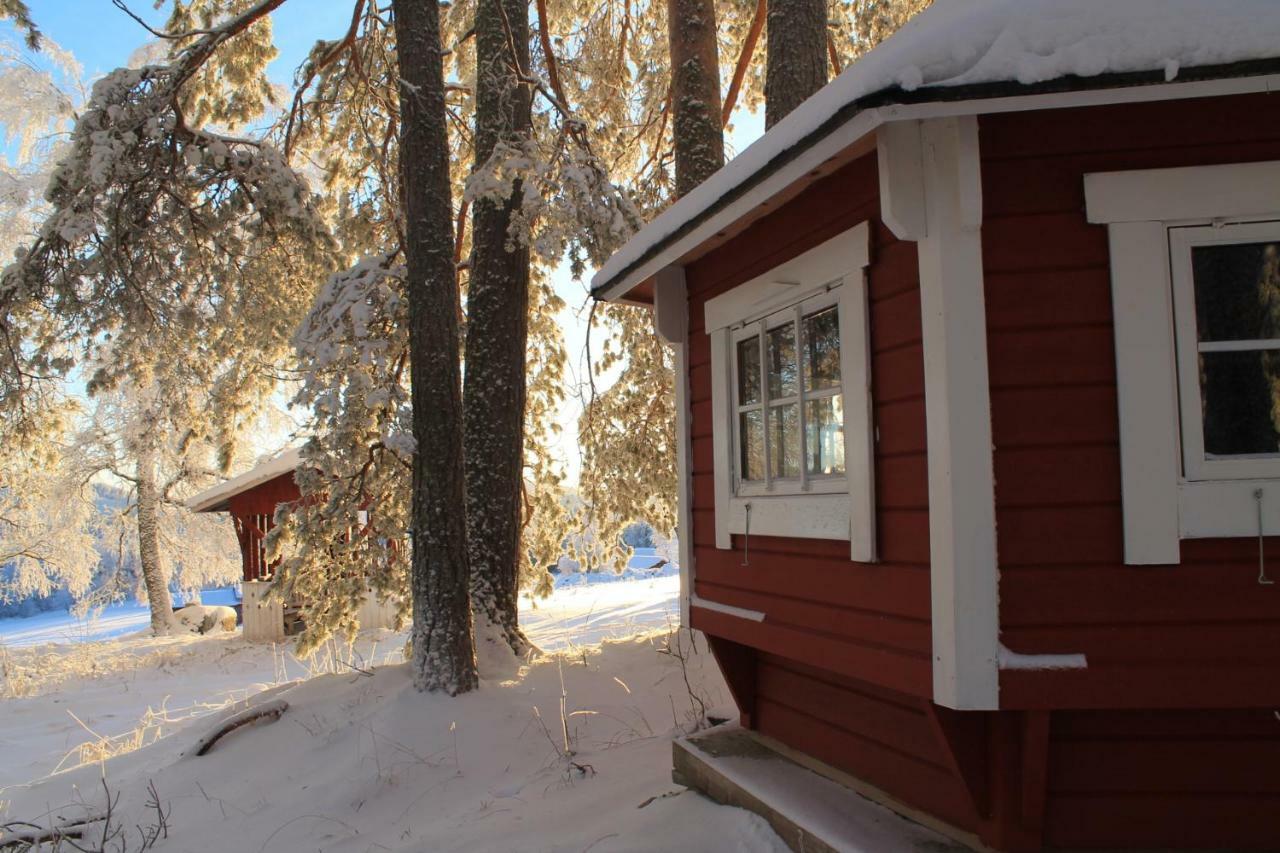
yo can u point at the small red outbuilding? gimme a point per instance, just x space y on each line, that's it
979 394
251 499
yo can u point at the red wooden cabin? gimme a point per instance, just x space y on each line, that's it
251 499
980 448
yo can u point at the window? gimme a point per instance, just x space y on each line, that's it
1195 280
1227 310
790 425
791 404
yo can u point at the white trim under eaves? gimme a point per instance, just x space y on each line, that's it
866 122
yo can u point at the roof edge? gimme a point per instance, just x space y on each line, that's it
898 96
214 498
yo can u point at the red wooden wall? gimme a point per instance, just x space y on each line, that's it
253 513
1202 633
868 621
1199 635
1111 756
840 666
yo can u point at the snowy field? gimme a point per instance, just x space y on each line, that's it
360 761
569 753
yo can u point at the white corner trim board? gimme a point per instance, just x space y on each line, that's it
671 319
847 510
962 530
1161 506
1010 659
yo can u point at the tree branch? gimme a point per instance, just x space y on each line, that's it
744 62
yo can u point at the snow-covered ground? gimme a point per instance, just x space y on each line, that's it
572 753
90 690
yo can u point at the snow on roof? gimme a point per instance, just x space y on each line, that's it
970 42
215 499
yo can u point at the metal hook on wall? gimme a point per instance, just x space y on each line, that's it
1262 562
746 540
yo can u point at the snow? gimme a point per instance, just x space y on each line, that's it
959 42
115 673
113 621
361 761
215 497
1010 659
572 752
823 807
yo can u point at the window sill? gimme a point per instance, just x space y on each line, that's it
1209 509
796 516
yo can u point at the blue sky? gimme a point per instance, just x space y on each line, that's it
102 37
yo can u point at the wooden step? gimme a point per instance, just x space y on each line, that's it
811 812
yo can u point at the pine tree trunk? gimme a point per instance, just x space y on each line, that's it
443 649
153 574
695 91
797 55
497 330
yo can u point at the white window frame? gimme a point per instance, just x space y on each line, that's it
1182 240
1165 500
823 507
757 327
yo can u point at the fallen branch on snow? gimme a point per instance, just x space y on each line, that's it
266 712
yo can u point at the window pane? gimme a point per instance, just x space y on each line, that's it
1237 291
782 361
784 440
822 349
824 435
749 370
1239 391
751 444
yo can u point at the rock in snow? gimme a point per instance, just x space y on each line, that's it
199 619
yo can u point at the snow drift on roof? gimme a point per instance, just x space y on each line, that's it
964 42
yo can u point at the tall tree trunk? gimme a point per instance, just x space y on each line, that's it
797 55
443 649
153 574
497 330
695 91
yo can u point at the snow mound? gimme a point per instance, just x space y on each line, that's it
959 42
363 761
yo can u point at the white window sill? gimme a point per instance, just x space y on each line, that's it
1209 509
798 516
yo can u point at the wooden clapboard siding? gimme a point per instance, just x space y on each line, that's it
253 513
840 665
861 620
882 737
1167 779
1199 634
